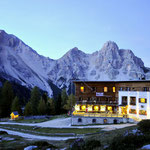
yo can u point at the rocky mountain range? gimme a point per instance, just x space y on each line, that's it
22 64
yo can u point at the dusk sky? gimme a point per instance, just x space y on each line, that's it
52 27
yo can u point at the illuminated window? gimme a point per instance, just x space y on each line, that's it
114 89
105 89
142 100
77 107
102 108
90 108
105 121
83 107
96 108
142 112
82 88
109 108
132 111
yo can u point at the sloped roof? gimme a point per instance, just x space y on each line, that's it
15 113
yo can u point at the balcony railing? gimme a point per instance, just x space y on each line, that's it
98 102
99 114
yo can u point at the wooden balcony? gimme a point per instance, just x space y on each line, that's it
94 102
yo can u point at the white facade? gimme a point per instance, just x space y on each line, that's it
138 106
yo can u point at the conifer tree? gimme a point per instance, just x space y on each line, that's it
58 104
28 109
42 107
16 106
7 96
70 102
51 106
64 98
35 98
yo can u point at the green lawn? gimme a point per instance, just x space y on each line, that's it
40 120
50 130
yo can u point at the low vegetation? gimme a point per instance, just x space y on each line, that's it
50 131
38 104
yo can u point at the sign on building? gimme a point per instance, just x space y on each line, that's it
99 94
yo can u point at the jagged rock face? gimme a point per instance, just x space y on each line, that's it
21 63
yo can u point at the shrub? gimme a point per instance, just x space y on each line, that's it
129 142
3 132
43 145
90 145
144 126
78 144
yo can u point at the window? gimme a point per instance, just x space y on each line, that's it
102 108
142 112
83 107
80 98
124 100
145 88
132 100
132 111
89 98
79 120
105 121
93 89
120 89
115 121
142 100
109 108
105 89
127 88
82 89
96 108
77 107
93 120
114 89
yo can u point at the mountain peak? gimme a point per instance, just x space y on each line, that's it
110 45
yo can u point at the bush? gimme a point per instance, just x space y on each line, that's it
144 126
3 132
90 145
80 144
129 142
44 145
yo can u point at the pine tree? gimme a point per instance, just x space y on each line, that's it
64 98
35 98
51 106
28 109
7 96
58 104
70 102
16 106
42 107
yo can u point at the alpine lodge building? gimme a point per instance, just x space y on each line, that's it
102 102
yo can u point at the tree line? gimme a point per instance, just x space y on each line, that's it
38 103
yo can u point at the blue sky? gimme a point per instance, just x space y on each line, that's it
52 27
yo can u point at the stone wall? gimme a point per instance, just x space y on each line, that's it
80 120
